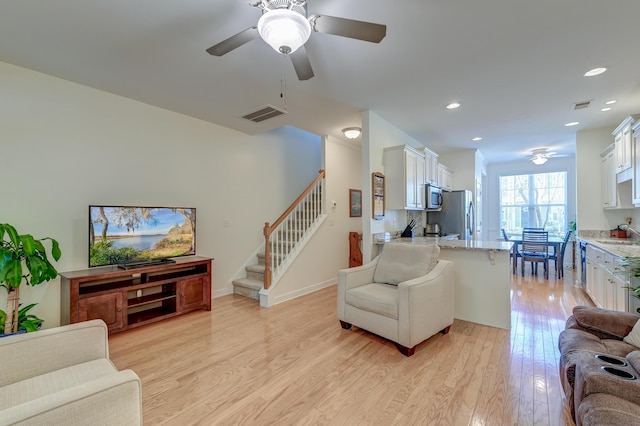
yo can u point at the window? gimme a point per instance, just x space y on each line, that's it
534 201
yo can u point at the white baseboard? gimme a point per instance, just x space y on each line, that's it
221 292
266 301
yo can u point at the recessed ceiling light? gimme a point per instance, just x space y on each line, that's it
453 105
572 123
594 72
476 139
610 102
606 109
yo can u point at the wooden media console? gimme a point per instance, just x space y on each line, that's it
128 298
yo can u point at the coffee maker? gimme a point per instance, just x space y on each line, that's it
432 230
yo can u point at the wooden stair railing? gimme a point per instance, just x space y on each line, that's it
291 226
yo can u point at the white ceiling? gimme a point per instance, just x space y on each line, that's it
516 66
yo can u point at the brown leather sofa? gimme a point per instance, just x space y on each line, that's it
599 371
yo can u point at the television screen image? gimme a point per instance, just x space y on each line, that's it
120 235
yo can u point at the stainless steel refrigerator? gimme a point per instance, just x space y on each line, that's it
457 214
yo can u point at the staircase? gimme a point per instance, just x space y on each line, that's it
251 285
284 240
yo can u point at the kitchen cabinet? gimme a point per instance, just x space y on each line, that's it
636 164
431 166
616 194
404 170
445 177
606 281
622 137
608 178
594 282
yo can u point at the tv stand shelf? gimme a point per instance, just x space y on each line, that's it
127 298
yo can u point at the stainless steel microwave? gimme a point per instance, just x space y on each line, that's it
433 197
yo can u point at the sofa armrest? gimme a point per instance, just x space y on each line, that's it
352 278
590 379
603 323
32 354
115 399
360 275
426 304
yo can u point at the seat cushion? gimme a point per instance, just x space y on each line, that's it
55 381
401 262
378 298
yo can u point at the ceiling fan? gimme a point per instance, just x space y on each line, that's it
285 26
540 156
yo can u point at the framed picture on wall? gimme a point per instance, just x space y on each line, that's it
377 189
355 203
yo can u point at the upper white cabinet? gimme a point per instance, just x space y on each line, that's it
445 177
431 166
609 199
404 170
636 163
622 137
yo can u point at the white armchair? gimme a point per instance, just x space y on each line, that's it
404 295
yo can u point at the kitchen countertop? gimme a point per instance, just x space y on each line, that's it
446 243
622 247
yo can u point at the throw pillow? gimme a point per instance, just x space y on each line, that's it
633 338
401 262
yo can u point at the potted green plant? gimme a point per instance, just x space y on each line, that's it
26 322
23 258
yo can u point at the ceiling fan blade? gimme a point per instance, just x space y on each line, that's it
301 64
350 28
234 42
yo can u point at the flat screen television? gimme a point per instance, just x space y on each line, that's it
138 235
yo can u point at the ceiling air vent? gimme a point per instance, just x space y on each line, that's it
263 113
581 105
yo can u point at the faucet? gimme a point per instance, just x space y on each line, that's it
626 227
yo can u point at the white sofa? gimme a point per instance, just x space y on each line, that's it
63 376
405 295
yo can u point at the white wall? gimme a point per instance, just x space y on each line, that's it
65 146
469 166
328 251
491 191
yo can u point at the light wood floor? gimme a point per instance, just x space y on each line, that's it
293 364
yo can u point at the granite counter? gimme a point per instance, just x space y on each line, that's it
620 247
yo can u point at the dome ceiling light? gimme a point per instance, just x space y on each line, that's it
352 132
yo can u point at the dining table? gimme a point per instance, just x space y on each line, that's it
554 242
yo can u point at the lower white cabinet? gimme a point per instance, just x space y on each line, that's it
606 281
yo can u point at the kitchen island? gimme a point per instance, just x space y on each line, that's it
482 272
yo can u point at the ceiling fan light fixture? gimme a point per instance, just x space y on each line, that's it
539 159
540 156
284 30
352 132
